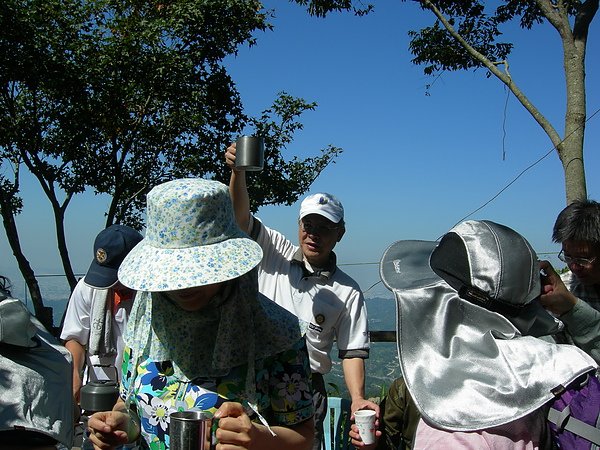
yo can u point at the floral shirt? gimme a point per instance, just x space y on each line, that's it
283 391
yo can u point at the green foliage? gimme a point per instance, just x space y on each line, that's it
320 8
116 96
437 50
333 390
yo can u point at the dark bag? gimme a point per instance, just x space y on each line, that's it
575 414
36 403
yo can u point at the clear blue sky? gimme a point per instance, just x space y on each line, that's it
413 165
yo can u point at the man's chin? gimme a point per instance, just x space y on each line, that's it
311 252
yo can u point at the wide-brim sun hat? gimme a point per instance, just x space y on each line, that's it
467 314
191 239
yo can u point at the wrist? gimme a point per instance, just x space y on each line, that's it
568 304
256 436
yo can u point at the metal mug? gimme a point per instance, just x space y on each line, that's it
190 430
249 153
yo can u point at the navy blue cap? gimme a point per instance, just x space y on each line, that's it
110 248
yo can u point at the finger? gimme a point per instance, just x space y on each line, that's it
233 438
547 267
354 435
101 440
97 422
230 409
240 424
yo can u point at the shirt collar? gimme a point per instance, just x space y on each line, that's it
308 271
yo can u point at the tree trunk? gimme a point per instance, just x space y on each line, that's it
570 150
59 222
43 314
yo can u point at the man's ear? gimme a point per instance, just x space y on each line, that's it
341 232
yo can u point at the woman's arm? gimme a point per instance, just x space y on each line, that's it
235 427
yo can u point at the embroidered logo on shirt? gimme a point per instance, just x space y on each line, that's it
314 327
320 318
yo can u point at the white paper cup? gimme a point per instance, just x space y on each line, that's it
365 421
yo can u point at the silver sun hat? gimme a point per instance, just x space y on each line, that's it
467 317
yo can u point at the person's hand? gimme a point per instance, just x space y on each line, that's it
555 297
363 403
236 430
357 441
230 156
354 434
108 429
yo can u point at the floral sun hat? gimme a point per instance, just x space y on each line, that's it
191 239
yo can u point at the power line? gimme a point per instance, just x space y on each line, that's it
523 171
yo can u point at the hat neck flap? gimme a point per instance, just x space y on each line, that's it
469 368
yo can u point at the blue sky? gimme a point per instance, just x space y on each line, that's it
413 165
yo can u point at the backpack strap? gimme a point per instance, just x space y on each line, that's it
564 421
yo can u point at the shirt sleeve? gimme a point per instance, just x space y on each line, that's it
352 333
583 325
274 244
289 386
77 318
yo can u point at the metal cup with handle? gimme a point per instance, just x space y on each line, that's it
249 153
190 430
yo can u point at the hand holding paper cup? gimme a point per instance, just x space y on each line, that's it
365 421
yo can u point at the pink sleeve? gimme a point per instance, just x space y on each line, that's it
522 434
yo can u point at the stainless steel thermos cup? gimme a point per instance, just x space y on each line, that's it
191 430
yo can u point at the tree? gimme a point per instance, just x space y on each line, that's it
116 96
465 36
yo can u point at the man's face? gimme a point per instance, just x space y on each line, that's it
587 274
317 236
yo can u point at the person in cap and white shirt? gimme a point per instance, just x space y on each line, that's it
470 329
201 337
305 280
97 311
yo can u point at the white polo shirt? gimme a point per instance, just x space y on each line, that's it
329 305
78 320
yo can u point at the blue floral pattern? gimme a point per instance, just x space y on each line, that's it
283 391
179 250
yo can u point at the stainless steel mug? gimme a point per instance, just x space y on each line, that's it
249 153
190 430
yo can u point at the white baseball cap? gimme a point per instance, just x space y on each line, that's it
323 204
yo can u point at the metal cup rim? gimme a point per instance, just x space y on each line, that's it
191 415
